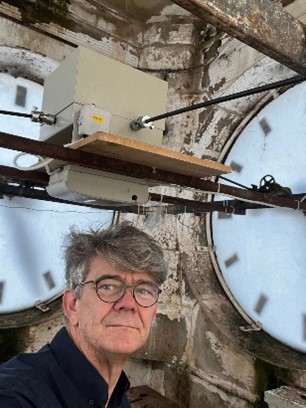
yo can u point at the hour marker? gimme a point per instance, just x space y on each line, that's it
224 215
265 126
230 261
21 96
261 302
304 327
1 291
49 279
236 167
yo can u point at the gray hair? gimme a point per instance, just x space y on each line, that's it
121 245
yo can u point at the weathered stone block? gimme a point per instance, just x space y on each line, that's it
216 358
286 397
210 396
168 34
166 57
167 341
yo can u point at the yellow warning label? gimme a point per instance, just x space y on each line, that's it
97 118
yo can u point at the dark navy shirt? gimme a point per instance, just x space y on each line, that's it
57 376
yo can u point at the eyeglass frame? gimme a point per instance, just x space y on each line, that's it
100 278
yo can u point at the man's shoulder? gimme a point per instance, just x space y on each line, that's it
21 376
25 368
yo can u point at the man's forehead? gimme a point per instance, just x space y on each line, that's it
99 267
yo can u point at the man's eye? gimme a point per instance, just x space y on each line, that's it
146 291
143 291
109 286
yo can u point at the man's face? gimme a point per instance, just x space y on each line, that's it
122 327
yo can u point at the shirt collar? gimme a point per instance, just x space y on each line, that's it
84 376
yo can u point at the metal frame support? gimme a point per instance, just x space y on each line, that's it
69 155
262 24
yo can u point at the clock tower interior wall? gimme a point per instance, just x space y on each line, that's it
196 355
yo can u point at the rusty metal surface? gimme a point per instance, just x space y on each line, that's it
34 315
177 205
144 172
145 397
261 24
11 173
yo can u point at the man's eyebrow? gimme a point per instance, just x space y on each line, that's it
117 277
147 281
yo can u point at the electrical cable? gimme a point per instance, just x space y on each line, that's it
36 116
226 98
24 115
40 164
145 120
49 210
247 200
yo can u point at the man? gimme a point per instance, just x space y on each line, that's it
113 278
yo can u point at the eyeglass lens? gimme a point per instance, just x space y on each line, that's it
110 290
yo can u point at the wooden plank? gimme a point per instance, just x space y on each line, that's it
145 154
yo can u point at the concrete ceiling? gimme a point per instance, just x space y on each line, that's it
150 11
144 11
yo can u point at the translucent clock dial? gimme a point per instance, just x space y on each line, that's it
262 255
31 231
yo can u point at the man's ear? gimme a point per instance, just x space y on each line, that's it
69 302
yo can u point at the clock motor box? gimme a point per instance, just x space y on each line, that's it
116 93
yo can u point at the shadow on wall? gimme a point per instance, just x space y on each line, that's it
12 342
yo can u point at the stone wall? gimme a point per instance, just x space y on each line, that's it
196 355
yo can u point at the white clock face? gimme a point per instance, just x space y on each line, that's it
32 231
262 255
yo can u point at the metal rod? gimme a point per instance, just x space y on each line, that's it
117 166
175 205
226 98
33 177
234 182
24 115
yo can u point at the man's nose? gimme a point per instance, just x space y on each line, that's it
127 300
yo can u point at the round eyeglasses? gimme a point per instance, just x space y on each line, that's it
110 289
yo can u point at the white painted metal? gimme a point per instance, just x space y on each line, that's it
85 185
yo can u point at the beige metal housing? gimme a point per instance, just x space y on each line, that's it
124 93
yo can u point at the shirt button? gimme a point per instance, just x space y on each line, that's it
91 402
